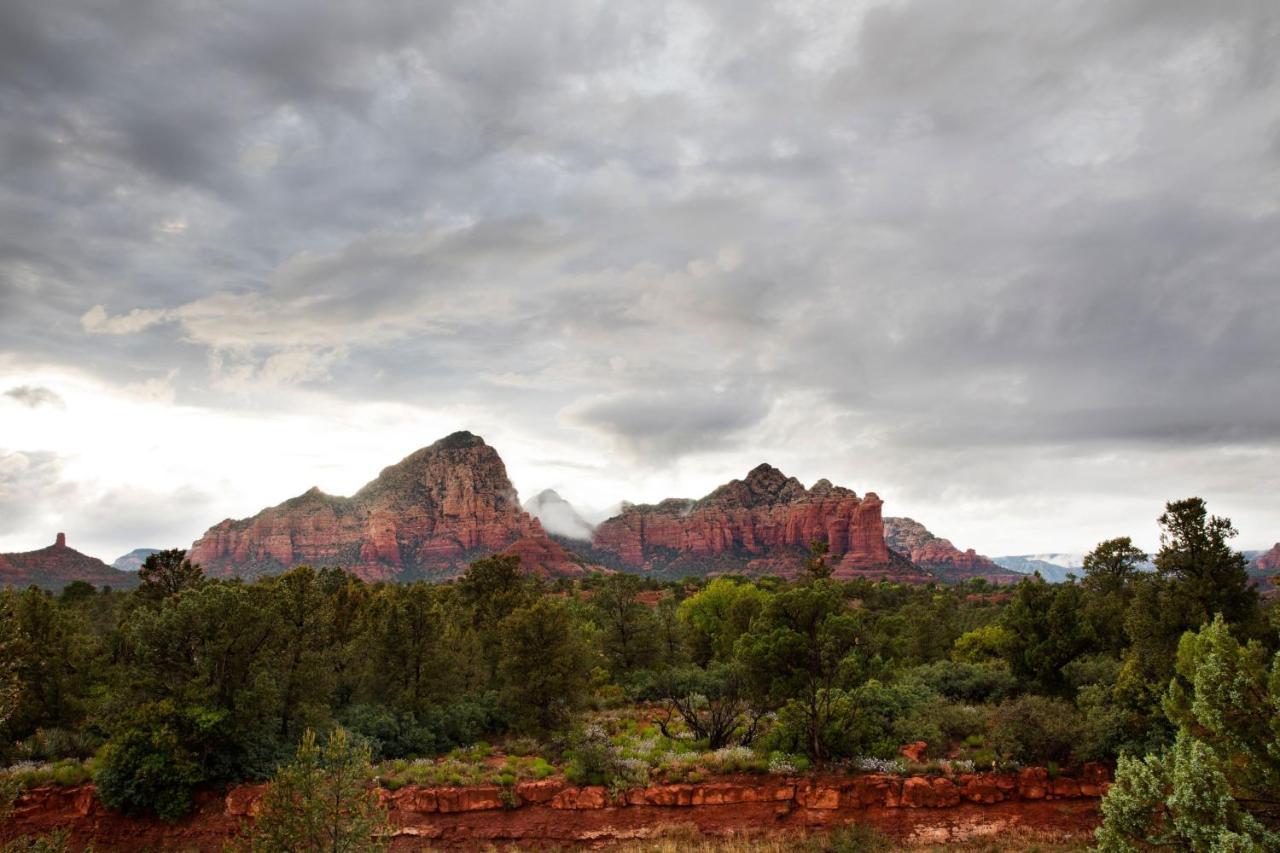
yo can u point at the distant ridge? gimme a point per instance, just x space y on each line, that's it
914 541
54 567
133 561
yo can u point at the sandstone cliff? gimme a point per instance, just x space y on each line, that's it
1269 561
427 516
763 523
911 539
56 566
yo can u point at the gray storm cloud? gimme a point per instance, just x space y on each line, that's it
1005 231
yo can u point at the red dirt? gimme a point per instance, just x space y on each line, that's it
556 814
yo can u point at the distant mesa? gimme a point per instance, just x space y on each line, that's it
1269 561
761 524
54 567
558 516
133 561
910 538
1265 568
428 516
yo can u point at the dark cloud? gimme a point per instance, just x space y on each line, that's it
951 229
658 426
35 396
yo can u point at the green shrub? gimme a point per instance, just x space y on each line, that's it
854 838
595 760
966 682
149 768
1035 729
523 746
984 759
69 773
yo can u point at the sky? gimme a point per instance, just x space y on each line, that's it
1013 266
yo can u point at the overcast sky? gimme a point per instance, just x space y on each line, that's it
1013 266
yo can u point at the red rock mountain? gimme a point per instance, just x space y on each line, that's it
427 516
912 540
56 566
1269 561
763 523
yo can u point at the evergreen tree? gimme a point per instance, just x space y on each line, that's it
1209 575
800 652
1218 786
545 665
322 802
168 573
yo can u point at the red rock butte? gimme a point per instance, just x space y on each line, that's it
911 539
427 516
56 565
763 523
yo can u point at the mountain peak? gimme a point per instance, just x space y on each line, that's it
763 485
558 515
460 440
427 515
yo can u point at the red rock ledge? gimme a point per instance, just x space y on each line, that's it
553 812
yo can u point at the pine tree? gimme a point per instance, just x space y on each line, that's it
322 801
1218 786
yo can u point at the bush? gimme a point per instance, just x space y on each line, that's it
938 723
439 729
52 744
885 716
854 838
149 768
966 682
69 773
1035 729
594 760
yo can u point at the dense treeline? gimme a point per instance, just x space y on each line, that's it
191 681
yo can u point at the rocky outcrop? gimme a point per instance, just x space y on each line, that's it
552 812
427 516
54 567
1269 561
133 561
763 523
911 539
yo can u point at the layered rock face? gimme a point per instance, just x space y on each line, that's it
551 813
763 523
427 516
1269 561
54 567
912 540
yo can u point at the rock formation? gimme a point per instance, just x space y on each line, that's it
427 516
763 523
912 540
1269 561
133 561
553 814
56 566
